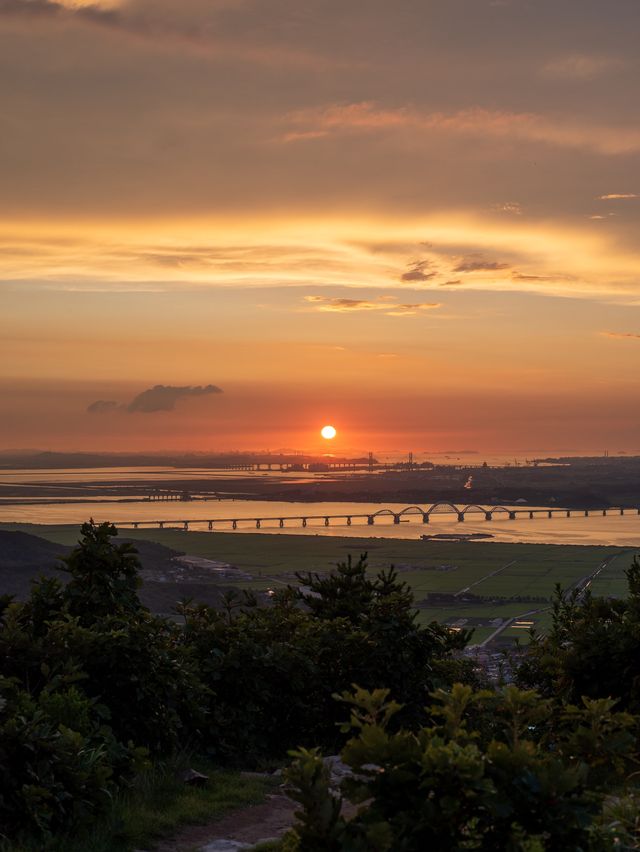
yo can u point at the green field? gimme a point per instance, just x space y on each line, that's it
497 571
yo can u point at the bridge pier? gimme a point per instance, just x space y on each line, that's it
396 519
281 522
460 517
425 518
304 522
488 516
586 513
326 522
568 513
370 520
185 526
550 513
531 516
135 526
257 523
348 521
234 524
210 525
161 524
622 511
604 513
512 516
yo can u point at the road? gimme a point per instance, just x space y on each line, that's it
581 586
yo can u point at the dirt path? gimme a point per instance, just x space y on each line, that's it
266 821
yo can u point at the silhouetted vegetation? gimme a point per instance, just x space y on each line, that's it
95 689
503 770
93 683
593 648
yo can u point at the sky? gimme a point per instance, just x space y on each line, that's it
225 223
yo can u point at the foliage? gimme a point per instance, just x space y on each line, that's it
485 774
95 676
104 577
91 683
272 670
87 681
155 804
52 774
592 649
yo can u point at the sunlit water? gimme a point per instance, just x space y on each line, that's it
595 529
117 476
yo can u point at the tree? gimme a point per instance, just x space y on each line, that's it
593 647
104 576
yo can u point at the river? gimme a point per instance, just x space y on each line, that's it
595 529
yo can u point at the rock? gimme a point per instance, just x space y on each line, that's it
193 778
337 769
225 846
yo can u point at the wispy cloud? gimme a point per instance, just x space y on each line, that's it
384 304
581 66
368 117
618 196
103 406
144 21
479 264
514 208
621 335
418 271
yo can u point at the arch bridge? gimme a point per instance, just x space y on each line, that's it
369 518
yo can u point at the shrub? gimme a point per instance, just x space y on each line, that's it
52 775
510 783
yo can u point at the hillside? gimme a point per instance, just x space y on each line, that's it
23 557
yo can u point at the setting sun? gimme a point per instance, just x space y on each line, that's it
328 432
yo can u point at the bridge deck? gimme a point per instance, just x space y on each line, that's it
371 517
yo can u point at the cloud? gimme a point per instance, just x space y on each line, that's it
417 272
165 397
157 398
621 335
93 12
164 25
383 303
367 117
617 196
103 406
580 66
519 276
514 208
479 264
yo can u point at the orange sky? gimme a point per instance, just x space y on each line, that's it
415 220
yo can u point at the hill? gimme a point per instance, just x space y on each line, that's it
23 557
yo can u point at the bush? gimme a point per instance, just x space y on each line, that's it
52 775
487 775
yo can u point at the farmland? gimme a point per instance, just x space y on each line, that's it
466 584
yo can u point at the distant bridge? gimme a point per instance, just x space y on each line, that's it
440 508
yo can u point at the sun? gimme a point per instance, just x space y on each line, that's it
328 433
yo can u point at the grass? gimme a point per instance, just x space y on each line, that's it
491 569
157 806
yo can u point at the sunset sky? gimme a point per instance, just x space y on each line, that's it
416 220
